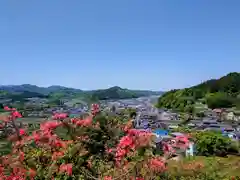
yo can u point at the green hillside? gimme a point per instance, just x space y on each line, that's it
19 92
216 93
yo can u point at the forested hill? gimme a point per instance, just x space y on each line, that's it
216 93
26 91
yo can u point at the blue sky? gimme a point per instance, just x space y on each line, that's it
137 44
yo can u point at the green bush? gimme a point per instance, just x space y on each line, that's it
204 168
220 100
212 144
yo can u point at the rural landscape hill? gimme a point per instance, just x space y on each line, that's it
28 91
216 93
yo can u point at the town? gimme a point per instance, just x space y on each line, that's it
146 116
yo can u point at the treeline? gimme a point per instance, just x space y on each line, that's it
220 93
21 96
114 93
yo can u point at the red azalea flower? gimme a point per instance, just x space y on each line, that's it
66 168
22 132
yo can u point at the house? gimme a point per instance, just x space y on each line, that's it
173 127
209 121
230 116
232 135
161 132
182 144
212 129
218 111
209 113
191 125
228 130
190 149
165 116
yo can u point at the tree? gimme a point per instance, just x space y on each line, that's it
219 100
218 92
200 114
198 93
191 111
211 144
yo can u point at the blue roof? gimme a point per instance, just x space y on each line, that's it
161 132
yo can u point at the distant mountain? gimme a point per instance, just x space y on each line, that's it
229 84
23 88
120 93
36 89
64 92
216 93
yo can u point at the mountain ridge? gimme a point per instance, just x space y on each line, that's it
223 92
57 91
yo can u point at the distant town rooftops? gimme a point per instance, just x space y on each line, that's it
218 110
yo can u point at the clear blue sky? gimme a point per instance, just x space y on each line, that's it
137 44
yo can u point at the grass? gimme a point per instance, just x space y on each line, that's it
205 168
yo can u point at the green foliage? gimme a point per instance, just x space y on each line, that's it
177 99
130 112
91 161
182 129
19 93
204 168
211 144
23 96
217 93
220 100
56 102
114 93
200 114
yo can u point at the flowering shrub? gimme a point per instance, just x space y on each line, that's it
89 148
98 147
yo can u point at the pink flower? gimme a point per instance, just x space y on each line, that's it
85 122
32 173
95 109
57 155
125 141
1 169
157 164
60 116
6 108
35 136
74 120
21 156
49 125
16 114
109 150
107 178
59 143
22 132
66 168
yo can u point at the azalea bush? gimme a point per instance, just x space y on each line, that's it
96 147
